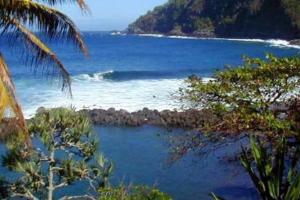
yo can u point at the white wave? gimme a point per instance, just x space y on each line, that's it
131 95
117 33
272 42
182 37
278 42
167 36
207 79
91 77
151 35
282 44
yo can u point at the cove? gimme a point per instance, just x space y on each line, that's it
140 156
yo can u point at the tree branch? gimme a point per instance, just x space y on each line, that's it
78 197
60 185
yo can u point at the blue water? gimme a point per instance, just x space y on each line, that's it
141 156
132 72
129 71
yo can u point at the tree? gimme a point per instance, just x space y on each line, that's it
274 170
260 97
64 152
66 155
132 193
17 17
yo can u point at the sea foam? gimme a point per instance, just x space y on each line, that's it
272 42
97 92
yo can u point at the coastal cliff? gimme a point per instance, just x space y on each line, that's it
264 19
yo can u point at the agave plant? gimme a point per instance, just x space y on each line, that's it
17 19
271 178
274 171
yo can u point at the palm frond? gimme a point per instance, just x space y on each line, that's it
81 3
42 54
8 99
46 19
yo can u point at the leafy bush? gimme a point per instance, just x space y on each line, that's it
65 155
261 97
274 171
132 193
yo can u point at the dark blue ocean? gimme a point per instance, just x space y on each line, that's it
132 72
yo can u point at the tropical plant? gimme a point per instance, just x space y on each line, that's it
273 170
17 17
132 193
270 177
64 154
4 188
260 97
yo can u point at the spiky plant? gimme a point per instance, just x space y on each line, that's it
123 192
17 19
65 155
274 171
271 177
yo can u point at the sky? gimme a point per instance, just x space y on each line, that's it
109 14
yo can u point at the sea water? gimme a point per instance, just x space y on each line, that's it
130 72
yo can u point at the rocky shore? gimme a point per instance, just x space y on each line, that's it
295 42
189 119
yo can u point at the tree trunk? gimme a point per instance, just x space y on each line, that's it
50 177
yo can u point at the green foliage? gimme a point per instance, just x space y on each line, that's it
273 170
270 176
66 155
227 18
132 193
17 19
258 97
203 23
215 197
4 188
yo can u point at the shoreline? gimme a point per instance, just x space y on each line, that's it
191 119
273 42
295 43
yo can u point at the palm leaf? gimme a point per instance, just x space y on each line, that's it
8 99
47 20
40 50
81 3
293 192
53 24
215 197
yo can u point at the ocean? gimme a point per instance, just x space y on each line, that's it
133 72
130 71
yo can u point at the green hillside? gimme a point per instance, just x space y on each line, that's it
223 18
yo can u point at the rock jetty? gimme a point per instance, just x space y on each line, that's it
188 119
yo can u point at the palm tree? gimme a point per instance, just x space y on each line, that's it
17 17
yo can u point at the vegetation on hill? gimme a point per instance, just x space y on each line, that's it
223 18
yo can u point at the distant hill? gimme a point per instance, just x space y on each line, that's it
223 18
